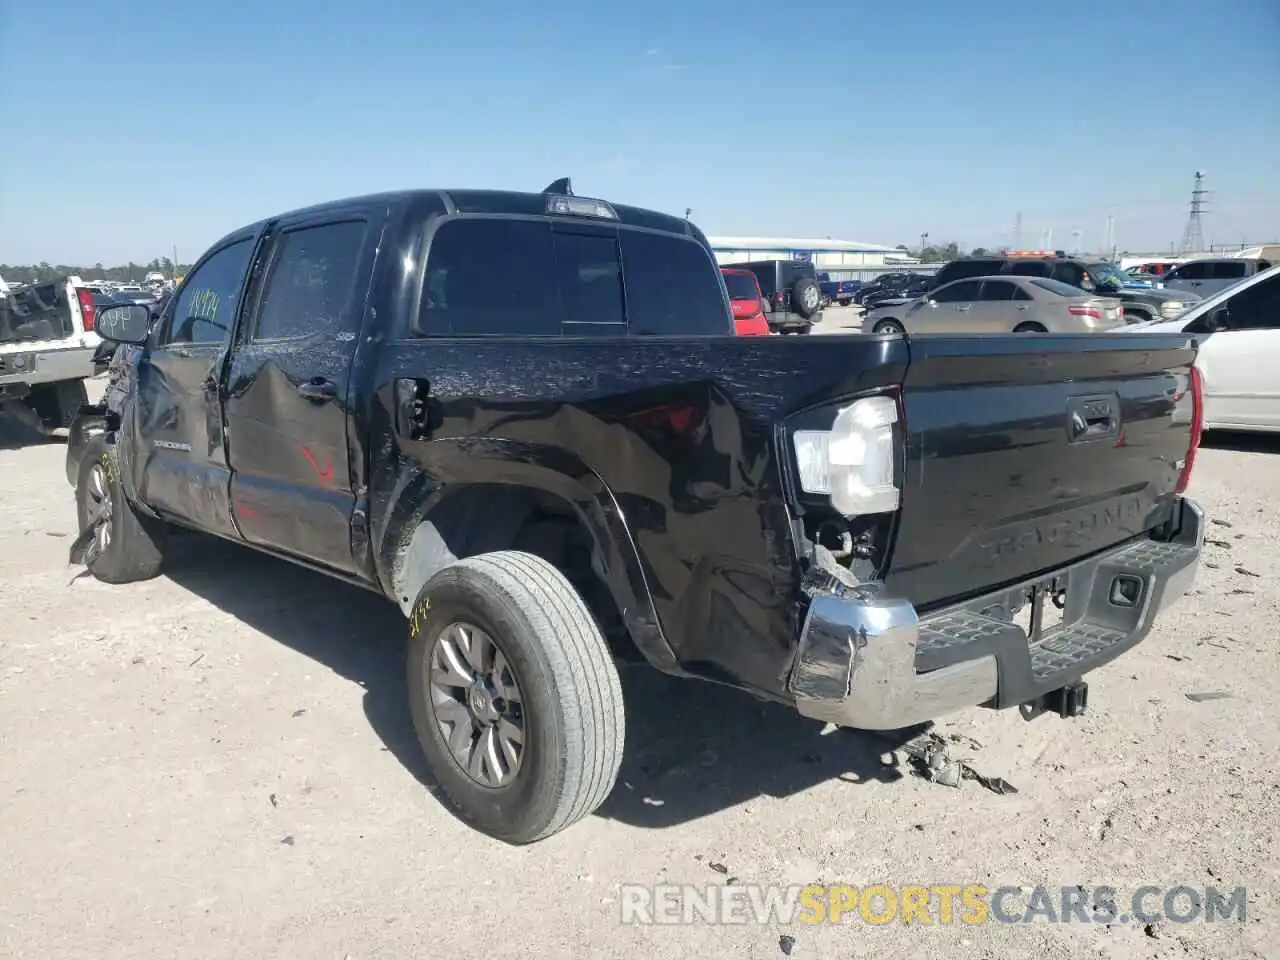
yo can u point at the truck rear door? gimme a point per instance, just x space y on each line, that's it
287 407
1025 453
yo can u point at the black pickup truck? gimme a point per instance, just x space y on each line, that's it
524 418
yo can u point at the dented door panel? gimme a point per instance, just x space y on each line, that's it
184 469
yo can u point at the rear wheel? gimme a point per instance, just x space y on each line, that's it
515 697
1029 328
888 326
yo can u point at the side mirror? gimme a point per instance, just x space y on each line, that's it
1107 288
930 302
1219 319
124 323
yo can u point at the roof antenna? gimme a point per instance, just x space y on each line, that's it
561 187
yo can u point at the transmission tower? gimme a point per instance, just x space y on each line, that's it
1193 234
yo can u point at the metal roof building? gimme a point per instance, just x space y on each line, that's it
824 253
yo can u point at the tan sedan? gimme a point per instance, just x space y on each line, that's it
1000 304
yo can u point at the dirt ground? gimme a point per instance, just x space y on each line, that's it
219 763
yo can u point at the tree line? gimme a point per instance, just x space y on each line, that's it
135 272
943 252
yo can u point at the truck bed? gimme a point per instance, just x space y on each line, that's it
36 313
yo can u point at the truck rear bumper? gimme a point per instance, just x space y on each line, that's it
871 662
34 366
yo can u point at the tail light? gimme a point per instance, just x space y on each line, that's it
855 462
1076 310
753 326
88 310
1197 428
779 296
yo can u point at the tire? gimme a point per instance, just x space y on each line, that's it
56 404
561 670
1029 328
844 302
826 301
806 297
133 548
888 326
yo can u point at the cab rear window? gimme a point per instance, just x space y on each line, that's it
522 277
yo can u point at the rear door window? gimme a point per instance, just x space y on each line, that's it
672 286
997 290
1228 270
309 286
966 291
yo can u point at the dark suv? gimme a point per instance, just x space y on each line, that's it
1092 275
792 295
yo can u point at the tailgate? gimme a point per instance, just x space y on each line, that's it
41 312
1027 453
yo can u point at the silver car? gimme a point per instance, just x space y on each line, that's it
1206 277
1000 304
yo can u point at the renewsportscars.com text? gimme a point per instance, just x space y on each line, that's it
969 904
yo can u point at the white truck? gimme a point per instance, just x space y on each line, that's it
47 347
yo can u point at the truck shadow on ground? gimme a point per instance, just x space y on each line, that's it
693 748
14 434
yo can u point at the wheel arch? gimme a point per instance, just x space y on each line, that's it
487 493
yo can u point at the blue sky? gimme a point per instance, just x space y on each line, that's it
131 127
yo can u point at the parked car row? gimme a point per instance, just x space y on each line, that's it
790 296
998 304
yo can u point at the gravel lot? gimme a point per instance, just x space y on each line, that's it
219 763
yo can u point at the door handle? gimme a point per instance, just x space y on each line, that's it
964 308
1022 307
318 390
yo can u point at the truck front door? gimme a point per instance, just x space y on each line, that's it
183 466
296 475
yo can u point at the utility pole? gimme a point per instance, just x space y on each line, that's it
1109 248
1075 242
1017 230
1193 234
924 240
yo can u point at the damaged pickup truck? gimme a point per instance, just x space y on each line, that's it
47 349
524 418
